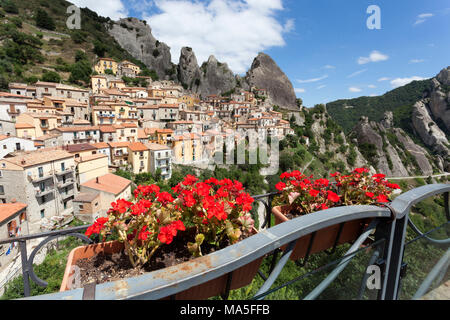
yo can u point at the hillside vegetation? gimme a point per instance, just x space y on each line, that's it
400 101
37 45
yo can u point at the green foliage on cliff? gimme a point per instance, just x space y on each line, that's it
348 112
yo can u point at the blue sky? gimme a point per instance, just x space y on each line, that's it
324 46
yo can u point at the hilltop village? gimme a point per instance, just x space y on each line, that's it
60 145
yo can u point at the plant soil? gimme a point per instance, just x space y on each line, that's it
107 268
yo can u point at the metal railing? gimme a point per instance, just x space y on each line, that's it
385 234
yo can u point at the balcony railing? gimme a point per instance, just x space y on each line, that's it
41 193
66 183
65 171
41 177
385 237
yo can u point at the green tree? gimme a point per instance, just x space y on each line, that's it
51 76
43 20
9 6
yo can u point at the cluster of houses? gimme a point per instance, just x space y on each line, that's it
60 145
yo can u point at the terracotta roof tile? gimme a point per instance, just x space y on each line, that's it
108 183
9 209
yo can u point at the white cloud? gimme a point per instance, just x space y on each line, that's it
384 79
354 89
235 31
375 56
357 73
313 80
114 9
299 90
416 61
399 82
421 18
321 87
371 86
328 66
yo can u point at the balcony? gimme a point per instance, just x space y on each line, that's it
39 178
63 184
383 243
69 194
65 171
46 191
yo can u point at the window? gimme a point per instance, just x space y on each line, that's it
42 186
41 172
63 166
23 217
4 147
42 213
81 207
2 190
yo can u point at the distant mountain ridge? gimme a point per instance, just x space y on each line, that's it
212 77
347 112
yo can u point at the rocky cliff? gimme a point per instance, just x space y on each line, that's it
431 118
189 73
213 77
390 150
265 73
136 37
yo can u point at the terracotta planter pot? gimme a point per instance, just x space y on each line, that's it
324 239
240 278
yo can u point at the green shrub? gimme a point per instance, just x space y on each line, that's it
51 76
44 21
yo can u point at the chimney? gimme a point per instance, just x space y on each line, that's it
98 181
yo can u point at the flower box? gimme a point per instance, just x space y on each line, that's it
324 239
157 230
240 278
301 195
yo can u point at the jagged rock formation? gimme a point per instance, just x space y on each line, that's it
431 118
217 78
265 73
390 150
136 37
213 77
189 73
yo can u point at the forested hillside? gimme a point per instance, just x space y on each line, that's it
37 45
347 113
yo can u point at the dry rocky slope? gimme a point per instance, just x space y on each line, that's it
431 118
213 77
136 37
390 150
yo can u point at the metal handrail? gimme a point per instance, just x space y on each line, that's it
170 281
391 229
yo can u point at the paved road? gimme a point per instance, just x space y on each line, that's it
419 177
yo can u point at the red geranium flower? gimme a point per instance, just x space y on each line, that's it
280 186
370 195
314 193
144 234
333 197
382 198
121 205
190 180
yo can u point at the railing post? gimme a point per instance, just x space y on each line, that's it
25 268
394 232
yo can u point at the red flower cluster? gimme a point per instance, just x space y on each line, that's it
166 234
97 227
214 208
310 195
